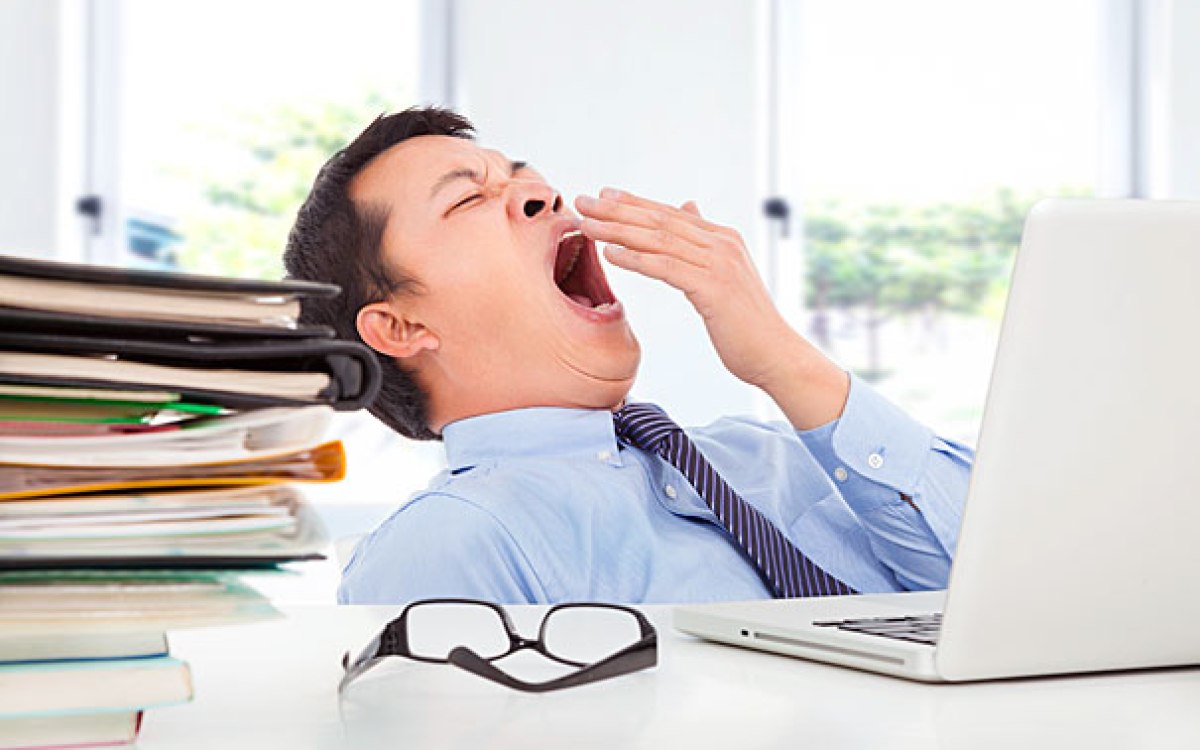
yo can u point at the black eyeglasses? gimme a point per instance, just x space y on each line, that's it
600 640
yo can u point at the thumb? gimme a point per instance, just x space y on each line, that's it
691 208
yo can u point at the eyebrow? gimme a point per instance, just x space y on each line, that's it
470 174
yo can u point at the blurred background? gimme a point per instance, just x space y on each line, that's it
878 156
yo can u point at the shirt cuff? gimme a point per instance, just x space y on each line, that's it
873 445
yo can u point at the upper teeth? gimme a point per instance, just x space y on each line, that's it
571 265
574 256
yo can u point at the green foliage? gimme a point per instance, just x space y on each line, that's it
250 197
877 261
901 258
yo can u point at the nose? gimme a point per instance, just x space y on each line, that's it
532 200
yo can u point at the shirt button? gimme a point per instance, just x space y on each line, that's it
875 461
670 490
841 474
604 455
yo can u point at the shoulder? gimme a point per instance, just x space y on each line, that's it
440 510
432 524
439 543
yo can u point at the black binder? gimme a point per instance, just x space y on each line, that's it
196 345
35 268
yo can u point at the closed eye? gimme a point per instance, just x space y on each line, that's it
465 201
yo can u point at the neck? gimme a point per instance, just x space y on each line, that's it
450 404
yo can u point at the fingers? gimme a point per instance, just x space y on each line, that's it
645 240
675 245
674 222
666 268
621 196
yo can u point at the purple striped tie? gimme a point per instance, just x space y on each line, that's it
786 570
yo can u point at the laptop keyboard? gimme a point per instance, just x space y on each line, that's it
913 628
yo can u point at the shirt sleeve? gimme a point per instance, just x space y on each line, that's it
414 555
906 485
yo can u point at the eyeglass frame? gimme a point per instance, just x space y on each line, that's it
392 640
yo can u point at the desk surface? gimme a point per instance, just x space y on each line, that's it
274 685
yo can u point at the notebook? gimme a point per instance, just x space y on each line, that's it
66 687
235 372
88 730
151 295
203 440
1077 551
94 604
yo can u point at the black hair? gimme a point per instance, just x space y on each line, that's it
337 241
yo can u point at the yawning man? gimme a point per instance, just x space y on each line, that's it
483 295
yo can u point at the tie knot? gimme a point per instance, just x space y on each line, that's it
644 426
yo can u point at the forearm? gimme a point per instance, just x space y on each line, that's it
806 385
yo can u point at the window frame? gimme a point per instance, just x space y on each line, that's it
102 88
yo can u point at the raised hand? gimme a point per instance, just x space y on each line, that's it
710 264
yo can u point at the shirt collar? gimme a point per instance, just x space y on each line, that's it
531 432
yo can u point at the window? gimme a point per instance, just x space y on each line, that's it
227 110
923 131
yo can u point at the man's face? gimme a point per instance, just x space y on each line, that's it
512 295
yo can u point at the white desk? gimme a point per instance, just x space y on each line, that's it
273 685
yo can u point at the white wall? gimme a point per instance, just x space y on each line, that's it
663 98
1183 101
28 125
41 126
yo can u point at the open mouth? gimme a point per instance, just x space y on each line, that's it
578 275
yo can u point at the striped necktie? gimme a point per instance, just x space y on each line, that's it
784 569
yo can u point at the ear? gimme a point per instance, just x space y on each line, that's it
388 331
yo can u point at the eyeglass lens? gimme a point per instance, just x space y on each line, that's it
436 629
588 634
582 634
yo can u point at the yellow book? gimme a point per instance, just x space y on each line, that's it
323 463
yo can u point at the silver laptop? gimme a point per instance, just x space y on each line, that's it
1080 543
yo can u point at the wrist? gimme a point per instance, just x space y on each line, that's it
808 386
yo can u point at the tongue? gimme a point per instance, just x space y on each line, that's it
581 299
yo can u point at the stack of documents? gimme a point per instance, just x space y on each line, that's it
216 491
154 431
150 418
83 654
231 342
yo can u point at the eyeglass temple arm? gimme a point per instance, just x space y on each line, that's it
639 656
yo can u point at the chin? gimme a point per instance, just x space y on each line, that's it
606 388
609 394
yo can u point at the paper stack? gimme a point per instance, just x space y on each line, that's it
84 653
222 342
214 492
153 429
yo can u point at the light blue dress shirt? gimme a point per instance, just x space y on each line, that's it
543 505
